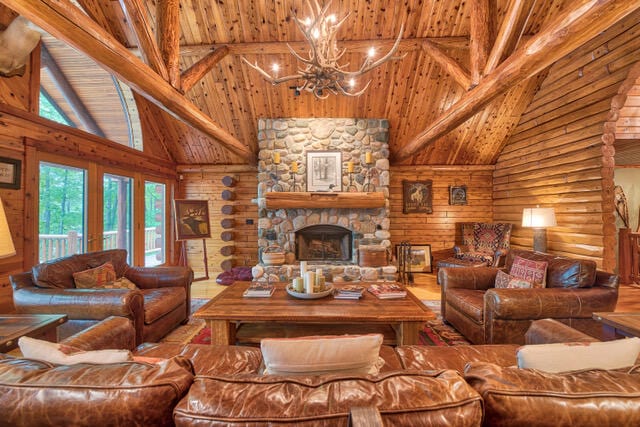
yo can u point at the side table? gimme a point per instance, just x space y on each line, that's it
41 326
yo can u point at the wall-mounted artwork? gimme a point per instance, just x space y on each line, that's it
457 194
417 196
324 171
10 173
192 219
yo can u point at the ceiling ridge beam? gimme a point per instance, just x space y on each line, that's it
197 71
168 34
449 64
564 34
66 22
136 15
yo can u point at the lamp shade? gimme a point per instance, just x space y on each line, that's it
538 217
6 243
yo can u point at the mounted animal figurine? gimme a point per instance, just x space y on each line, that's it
16 43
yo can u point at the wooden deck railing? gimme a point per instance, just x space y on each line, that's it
52 246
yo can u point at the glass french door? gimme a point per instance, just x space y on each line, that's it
155 223
117 213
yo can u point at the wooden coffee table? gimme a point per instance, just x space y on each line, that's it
41 326
229 310
619 324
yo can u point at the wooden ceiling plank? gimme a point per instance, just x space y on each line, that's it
505 34
198 70
566 32
479 38
168 29
450 65
66 22
136 14
69 93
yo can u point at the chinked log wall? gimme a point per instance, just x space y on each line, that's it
556 156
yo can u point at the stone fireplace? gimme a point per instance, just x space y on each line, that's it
328 236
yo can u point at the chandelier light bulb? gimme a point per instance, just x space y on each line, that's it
372 52
331 18
307 22
315 33
275 67
352 82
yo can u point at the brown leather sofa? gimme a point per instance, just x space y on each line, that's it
485 315
220 385
161 303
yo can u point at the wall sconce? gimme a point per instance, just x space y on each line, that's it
6 242
539 219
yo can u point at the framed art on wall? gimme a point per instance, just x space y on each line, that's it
10 173
419 259
324 171
192 219
416 196
457 194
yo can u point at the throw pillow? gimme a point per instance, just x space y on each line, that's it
61 354
564 357
98 277
323 354
530 270
122 283
504 280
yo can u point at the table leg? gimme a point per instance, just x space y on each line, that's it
222 332
410 333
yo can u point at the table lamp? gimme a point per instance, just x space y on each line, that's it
6 242
539 219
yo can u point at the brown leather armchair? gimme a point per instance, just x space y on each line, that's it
161 303
485 315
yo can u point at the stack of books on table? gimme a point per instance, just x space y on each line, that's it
387 290
259 290
349 292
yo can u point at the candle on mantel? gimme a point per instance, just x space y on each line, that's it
350 167
294 167
276 158
368 158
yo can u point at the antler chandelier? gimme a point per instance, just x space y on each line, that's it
322 74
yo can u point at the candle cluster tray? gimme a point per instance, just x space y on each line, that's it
303 295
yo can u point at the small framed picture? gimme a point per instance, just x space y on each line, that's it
192 219
10 173
419 259
324 171
457 194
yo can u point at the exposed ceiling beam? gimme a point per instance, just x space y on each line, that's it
69 93
136 14
568 31
480 31
67 23
198 70
449 64
168 30
505 34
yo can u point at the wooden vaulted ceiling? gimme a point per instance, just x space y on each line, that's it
412 93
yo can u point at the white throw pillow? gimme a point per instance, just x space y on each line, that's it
46 351
563 357
352 354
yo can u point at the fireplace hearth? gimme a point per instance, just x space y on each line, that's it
324 243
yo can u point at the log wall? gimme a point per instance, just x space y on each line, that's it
556 156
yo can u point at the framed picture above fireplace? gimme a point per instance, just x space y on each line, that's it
324 171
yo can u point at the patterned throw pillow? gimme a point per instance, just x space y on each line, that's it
505 281
98 277
122 283
533 271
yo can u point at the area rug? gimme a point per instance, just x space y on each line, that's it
434 332
184 334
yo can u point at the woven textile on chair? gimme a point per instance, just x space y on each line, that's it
485 242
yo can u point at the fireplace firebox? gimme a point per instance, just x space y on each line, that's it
324 243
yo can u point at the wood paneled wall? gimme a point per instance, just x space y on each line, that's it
438 228
205 183
556 156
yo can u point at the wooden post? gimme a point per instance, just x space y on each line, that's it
206 262
624 255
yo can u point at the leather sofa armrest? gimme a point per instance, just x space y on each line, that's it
112 333
530 304
160 277
478 278
83 304
460 249
22 280
549 331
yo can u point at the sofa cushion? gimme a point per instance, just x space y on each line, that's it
98 277
160 301
119 394
422 357
517 397
507 281
562 357
61 354
530 270
357 354
403 398
468 301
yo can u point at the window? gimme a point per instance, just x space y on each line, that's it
117 213
155 203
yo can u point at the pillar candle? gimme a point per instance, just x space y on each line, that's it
303 268
309 281
368 158
294 167
318 272
276 158
350 167
298 284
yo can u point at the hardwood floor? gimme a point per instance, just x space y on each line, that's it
425 288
